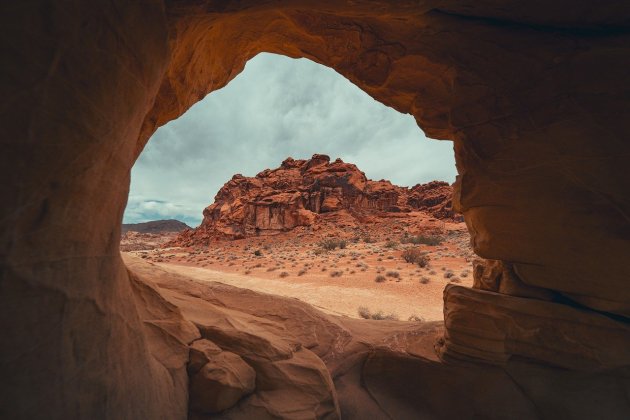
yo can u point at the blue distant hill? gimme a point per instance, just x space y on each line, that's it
155 226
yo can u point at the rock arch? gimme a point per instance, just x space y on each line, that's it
534 97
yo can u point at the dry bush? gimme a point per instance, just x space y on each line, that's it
424 280
302 272
380 279
368 239
416 318
380 316
336 273
422 240
393 274
284 274
365 313
391 244
449 274
331 244
415 256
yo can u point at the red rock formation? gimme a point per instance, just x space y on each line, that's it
299 190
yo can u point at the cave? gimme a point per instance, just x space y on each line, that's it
535 98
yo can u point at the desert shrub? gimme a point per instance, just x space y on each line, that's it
422 240
448 274
380 279
331 244
393 274
424 280
247 272
380 316
455 280
364 312
284 274
336 273
302 272
368 239
415 318
464 274
415 256
391 244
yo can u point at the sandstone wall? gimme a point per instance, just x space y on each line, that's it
534 95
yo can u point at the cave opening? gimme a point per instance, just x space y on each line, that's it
304 163
534 99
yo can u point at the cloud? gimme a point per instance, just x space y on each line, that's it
277 107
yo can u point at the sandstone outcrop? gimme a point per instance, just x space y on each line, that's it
534 96
309 364
218 379
298 191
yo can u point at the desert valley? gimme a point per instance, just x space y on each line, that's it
321 232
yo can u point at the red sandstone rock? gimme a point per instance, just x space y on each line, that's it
218 379
534 95
299 190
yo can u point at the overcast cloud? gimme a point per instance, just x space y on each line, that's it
277 107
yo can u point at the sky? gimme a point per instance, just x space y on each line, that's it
277 107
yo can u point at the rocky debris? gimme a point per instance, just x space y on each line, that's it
218 379
155 227
300 192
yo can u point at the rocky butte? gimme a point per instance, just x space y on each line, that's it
302 193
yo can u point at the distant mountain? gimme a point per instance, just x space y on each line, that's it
155 226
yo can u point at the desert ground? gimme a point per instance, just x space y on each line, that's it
359 272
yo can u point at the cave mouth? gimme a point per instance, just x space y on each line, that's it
284 114
524 92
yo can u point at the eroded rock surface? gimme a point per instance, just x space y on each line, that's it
218 379
309 364
297 192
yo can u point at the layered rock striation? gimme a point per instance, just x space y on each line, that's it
297 192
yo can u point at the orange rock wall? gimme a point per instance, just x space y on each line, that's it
534 95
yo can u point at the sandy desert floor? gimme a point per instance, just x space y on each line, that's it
367 278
